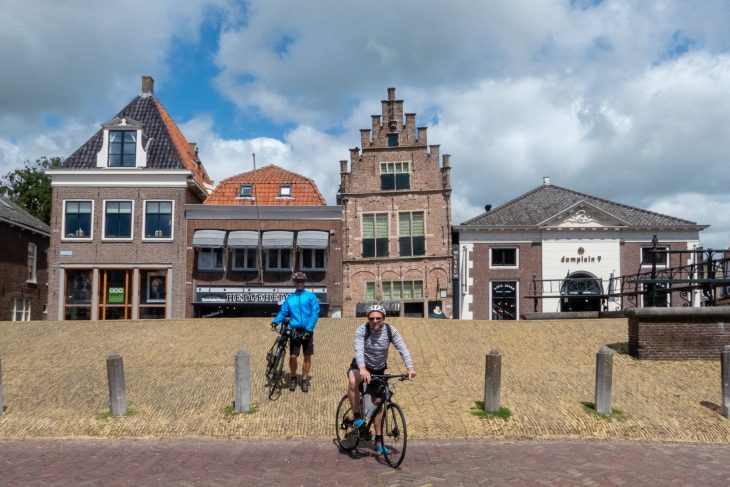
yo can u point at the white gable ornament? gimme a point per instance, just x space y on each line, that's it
580 217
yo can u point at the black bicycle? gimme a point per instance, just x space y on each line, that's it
275 361
393 422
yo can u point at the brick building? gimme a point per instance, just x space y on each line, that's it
118 246
396 217
23 263
254 231
572 244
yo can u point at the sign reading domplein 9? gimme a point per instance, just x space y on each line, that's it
246 295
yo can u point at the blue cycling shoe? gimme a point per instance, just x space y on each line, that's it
358 423
381 449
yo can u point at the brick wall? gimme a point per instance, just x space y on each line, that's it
678 333
14 269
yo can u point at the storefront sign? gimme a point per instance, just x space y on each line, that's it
116 295
256 297
581 259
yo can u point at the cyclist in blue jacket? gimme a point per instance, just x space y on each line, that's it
302 309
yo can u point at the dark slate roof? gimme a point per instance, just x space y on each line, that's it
546 201
167 149
15 214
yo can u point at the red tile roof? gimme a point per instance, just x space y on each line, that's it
266 184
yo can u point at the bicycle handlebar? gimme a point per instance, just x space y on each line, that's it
390 376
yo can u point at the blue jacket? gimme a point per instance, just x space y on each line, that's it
302 309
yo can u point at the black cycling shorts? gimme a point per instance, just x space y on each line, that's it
297 343
375 387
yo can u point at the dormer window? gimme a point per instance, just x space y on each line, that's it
122 148
246 191
285 191
123 144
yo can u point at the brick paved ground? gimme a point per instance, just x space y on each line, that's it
180 379
211 462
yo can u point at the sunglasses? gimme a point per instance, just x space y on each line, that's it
379 318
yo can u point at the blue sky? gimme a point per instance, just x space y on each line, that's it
624 100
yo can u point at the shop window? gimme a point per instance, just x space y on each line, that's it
77 296
115 300
152 294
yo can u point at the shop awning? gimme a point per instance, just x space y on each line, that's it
277 239
209 238
312 239
242 239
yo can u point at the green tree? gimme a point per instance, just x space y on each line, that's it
30 187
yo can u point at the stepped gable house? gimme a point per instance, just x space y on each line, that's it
396 213
571 243
23 264
254 231
118 233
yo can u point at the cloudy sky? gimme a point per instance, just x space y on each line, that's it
624 100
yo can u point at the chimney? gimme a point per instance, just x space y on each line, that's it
148 85
487 208
546 180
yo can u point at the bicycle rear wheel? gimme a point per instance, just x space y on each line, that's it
395 435
348 436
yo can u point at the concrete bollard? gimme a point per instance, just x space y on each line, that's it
2 401
724 371
117 388
604 380
242 385
492 380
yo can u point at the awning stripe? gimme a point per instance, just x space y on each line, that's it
241 239
278 239
312 239
209 238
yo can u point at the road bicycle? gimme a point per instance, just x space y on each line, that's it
393 422
275 361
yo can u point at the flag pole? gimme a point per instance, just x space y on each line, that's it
259 257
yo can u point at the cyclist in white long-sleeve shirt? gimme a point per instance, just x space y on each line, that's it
372 340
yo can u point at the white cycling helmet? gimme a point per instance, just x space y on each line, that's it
375 307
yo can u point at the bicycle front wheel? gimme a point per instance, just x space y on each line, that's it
395 435
277 375
348 436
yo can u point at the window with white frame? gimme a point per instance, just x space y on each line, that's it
285 191
313 259
244 259
77 219
649 257
411 233
395 175
503 257
32 261
118 219
21 309
278 260
122 148
210 259
397 290
375 235
245 191
158 219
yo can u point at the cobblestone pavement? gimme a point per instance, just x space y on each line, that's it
218 462
179 377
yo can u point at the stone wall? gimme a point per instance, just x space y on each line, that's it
678 333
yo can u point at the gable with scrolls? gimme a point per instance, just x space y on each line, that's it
583 215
